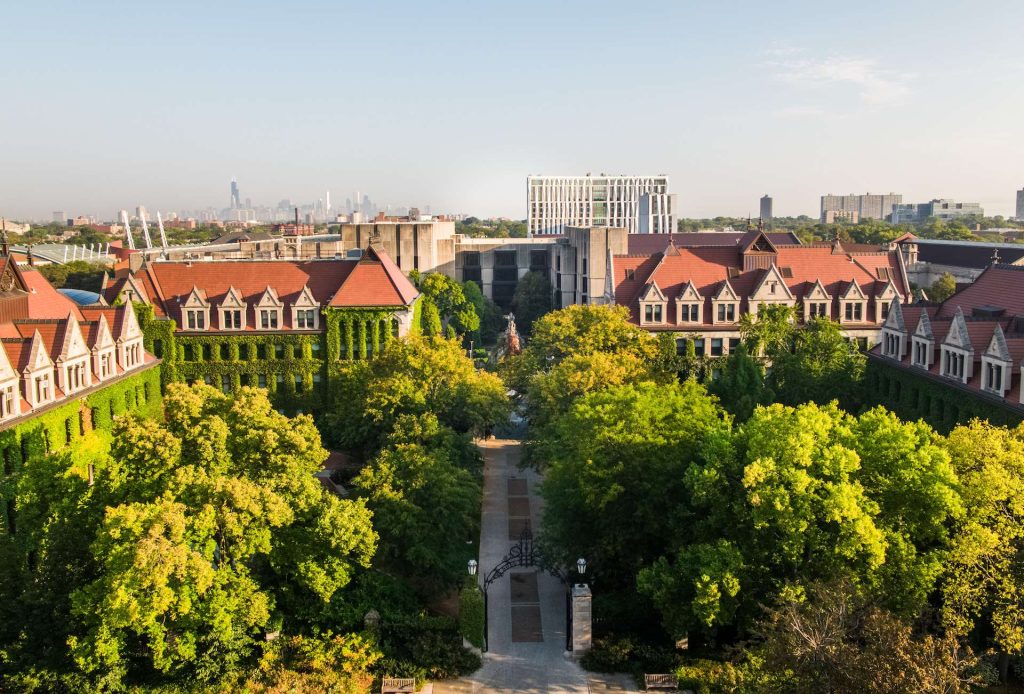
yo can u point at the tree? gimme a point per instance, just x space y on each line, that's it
449 302
770 331
620 465
425 509
833 641
942 288
983 581
532 299
487 311
740 386
77 274
212 521
412 376
823 366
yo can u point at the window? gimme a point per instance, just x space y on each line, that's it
232 319
854 311
7 402
207 353
994 377
652 313
920 356
698 346
716 346
225 383
726 313
261 351
195 319
681 343
891 345
279 351
689 313
42 388
225 352
268 319
298 384
734 343
305 318
954 367
818 309
261 380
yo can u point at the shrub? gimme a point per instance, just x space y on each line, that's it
471 616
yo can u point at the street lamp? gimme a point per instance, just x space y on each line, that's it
581 566
471 567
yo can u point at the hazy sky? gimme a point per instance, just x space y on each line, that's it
106 105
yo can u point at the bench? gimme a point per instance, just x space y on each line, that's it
397 685
663 682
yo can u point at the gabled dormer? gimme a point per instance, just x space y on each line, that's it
758 251
653 305
269 311
894 333
689 305
132 291
129 339
817 302
771 289
10 398
72 365
38 373
103 356
884 299
195 311
306 311
853 304
233 311
997 364
725 304
922 344
957 352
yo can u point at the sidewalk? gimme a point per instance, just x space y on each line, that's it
526 607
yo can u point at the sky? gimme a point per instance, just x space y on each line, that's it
108 105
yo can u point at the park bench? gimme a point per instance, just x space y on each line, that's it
397 685
662 682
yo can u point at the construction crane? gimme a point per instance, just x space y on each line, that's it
145 229
127 229
163 236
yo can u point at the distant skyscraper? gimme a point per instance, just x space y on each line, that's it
140 212
1020 205
236 198
60 216
766 209
328 201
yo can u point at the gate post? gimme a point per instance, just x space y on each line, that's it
582 631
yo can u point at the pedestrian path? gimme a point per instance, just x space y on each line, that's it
526 607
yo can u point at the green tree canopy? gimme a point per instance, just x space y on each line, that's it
822 366
532 299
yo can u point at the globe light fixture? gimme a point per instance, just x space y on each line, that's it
471 567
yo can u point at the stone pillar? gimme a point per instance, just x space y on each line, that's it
582 631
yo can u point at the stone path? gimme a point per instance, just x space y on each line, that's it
526 608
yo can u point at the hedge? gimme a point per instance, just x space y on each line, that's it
471 615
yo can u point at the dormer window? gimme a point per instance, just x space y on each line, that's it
921 354
892 344
195 319
993 377
817 309
7 402
726 313
954 364
269 319
231 319
42 388
653 313
689 313
305 318
853 312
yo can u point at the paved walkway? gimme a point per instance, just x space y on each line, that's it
526 608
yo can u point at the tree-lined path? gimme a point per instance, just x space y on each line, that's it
526 607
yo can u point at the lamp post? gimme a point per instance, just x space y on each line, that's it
471 567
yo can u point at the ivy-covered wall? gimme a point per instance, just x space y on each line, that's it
295 368
913 396
80 426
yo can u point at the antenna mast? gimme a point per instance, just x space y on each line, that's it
127 229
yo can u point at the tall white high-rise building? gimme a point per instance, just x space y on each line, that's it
640 204
1020 205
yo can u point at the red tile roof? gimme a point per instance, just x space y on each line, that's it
708 268
375 281
1000 286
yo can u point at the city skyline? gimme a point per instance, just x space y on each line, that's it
455 106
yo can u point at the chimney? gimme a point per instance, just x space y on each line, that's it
5 247
135 261
296 220
31 260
